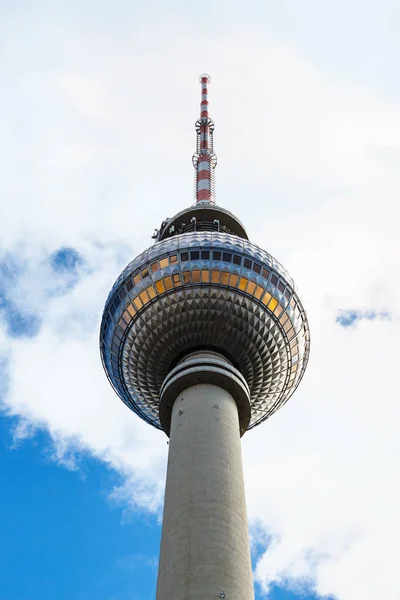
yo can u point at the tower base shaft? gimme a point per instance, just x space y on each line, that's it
205 544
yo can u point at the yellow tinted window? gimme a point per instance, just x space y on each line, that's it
224 278
164 263
205 275
266 298
234 280
137 302
160 286
259 291
272 304
144 297
196 276
132 310
137 279
151 291
145 272
215 276
168 283
243 283
278 310
251 287
186 277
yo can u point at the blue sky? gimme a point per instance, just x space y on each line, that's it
62 537
97 115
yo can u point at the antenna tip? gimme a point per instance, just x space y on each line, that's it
205 76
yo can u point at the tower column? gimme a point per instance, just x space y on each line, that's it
205 550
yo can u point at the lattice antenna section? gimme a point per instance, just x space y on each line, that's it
204 159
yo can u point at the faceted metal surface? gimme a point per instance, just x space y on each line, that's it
204 290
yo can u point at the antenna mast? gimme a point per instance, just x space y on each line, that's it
204 159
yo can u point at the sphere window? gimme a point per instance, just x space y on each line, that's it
205 255
227 257
154 267
217 255
256 268
129 285
185 256
247 263
237 259
194 255
274 280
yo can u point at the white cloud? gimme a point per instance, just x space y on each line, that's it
96 151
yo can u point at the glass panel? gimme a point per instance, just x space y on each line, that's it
256 268
186 276
287 325
281 287
272 304
224 278
168 283
205 276
184 256
251 287
122 324
173 259
274 280
145 272
163 263
215 276
217 255
144 297
137 279
247 263
132 310
151 291
265 273
154 267
227 257
205 255
283 319
176 278
122 293
237 259
127 316
290 333
160 286
259 291
243 283
293 342
234 280
129 285
196 276
266 298
194 255
137 302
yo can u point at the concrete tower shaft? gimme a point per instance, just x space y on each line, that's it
205 544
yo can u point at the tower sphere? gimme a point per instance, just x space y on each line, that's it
204 285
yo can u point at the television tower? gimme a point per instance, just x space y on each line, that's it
204 336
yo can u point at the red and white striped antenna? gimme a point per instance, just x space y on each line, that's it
204 159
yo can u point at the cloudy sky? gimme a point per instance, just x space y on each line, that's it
97 107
